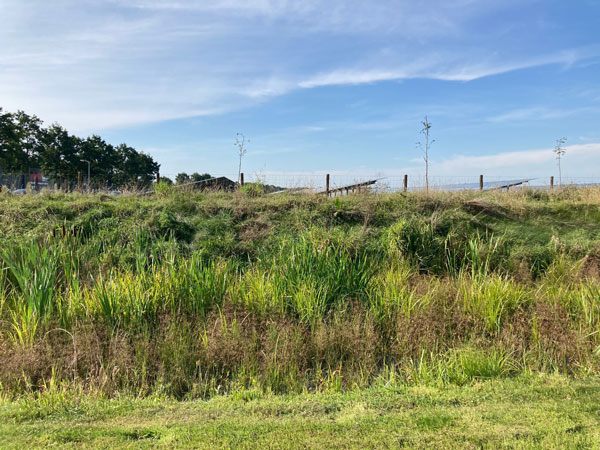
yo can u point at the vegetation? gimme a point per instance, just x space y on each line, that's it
527 412
184 178
26 144
559 151
190 295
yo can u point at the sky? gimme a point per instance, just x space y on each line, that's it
318 86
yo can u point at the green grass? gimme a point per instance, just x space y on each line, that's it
244 320
192 294
529 412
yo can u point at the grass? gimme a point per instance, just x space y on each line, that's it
245 299
526 412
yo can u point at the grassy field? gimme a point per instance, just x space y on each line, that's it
547 412
300 300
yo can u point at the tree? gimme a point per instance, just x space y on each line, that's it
135 168
195 177
8 142
560 152
20 143
182 178
425 131
59 158
25 144
242 150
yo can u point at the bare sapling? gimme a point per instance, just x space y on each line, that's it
425 132
560 151
240 143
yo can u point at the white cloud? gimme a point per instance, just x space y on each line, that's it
435 67
539 113
538 165
527 163
94 64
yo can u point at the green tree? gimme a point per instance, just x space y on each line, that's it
25 144
195 177
59 158
20 142
139 168
182 178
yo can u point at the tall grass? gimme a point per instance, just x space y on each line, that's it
211 293
308 278
32 274
491 299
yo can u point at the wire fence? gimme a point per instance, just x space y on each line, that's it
378 182
317 182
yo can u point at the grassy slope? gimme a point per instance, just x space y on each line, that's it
542 411
549 412
528 217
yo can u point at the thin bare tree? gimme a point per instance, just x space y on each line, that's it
560 152
425 131
240 143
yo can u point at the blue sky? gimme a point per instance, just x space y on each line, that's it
318 86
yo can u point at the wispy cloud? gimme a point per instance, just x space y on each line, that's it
539 163
540 113
94 64
439 68
534 163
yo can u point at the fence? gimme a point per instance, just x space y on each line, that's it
345 183
339 184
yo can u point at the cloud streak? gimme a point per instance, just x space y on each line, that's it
98 64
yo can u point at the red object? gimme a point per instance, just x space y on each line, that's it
35 176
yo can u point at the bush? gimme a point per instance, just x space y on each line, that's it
253 189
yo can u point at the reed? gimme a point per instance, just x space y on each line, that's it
197 294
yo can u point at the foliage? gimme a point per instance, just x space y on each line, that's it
184 178
253 189
560 413
26 144
194 294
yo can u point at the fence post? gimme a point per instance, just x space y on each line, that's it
405 183
79 181
327 185
157 177
481 182
242 179
552 182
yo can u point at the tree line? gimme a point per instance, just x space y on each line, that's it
25 144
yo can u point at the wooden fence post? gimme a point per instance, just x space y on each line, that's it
79 181
552 182
242 179
327 185
481 182
157 177
405 183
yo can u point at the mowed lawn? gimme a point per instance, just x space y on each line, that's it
528 412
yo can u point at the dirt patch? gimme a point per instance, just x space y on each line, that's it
590 265
481 207
559 342
255 230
